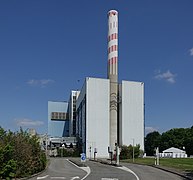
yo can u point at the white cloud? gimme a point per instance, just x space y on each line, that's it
150 129
40 82
28 122
167 76
191 52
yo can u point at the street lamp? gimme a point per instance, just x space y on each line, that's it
133 151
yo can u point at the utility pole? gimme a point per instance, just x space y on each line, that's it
133 151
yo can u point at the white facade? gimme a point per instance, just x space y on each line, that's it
173 153
131 113
93 126
93 116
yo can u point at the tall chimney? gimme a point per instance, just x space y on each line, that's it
113 74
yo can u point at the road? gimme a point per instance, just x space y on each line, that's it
106 172
61 168
148 172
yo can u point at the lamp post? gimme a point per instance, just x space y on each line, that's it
133 151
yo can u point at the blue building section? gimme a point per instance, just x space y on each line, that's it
58 122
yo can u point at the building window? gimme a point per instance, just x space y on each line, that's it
59 116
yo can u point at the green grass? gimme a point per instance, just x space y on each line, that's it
184 164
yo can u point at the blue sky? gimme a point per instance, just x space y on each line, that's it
47 48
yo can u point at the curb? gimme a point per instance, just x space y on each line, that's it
170 171
80 164
106 162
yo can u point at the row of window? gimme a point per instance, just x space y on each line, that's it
59 116
113 36
112 48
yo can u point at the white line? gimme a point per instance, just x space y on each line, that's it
43 177
86 169
75 178
129 170
57 178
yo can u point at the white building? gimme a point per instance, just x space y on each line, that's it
173 153
105 112
93 126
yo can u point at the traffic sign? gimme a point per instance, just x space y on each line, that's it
83 157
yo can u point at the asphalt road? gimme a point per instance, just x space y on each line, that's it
61 168
106 172
148 172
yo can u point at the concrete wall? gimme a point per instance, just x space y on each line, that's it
97 124
132 113
93 116
80 118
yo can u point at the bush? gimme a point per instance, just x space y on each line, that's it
127 152
71 152
20 155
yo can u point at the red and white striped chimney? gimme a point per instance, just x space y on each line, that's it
113 76
113 45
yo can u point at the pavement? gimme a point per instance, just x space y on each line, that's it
185 175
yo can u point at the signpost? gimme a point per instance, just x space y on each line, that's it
83 157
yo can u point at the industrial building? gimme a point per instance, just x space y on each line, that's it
58 123
105 113
93 117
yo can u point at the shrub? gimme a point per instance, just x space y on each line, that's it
127 152
20 155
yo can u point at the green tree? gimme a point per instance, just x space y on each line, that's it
177 137
188 142
20 154
152 141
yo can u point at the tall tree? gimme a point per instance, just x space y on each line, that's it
152 141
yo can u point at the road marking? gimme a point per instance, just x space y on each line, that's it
109 179
57 178
75 178
43 177
86 169
129 170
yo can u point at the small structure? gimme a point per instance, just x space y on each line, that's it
173 153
